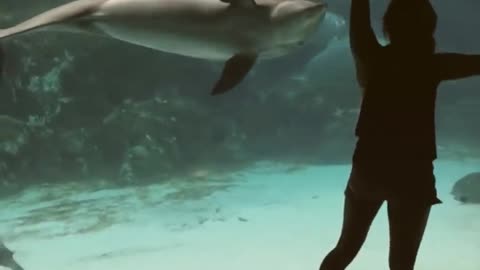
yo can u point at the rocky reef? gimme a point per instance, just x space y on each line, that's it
467 189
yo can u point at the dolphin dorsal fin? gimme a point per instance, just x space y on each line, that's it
241 3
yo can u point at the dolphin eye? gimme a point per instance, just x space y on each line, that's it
462 199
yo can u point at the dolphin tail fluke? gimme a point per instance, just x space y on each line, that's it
234 71
58 15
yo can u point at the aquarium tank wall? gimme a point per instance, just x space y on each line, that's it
116 156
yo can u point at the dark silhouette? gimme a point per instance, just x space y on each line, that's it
6 258
396 146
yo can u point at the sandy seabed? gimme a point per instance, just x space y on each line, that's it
272 218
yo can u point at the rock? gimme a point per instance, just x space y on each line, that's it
467 189
6 258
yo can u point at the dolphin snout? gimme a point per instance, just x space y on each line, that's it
321 6
318 10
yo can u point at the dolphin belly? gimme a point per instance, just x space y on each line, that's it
197 42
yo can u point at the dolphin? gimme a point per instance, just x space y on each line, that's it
236 32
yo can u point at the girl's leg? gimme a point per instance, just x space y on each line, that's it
407 227
358 217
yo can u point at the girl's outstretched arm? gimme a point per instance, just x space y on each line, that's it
363 42
452 66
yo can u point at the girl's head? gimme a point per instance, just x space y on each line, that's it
411 24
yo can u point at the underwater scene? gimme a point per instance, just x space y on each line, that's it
208 134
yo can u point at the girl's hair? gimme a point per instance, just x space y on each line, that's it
407 21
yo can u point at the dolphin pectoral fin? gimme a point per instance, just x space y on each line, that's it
234 71
241 3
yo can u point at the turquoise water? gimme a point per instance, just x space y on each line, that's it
114 156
